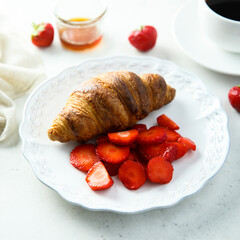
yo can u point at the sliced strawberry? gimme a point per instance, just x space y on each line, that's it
182 149
102 139
133 145
123 138
167 150
149 151
165 121
111 153
187 142
159 170
112 168
135 155
154 135
140 127
131 157
139 159
172 136
84 157
98 178
132 175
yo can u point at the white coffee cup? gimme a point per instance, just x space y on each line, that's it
222 31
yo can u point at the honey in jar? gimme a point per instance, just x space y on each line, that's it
80 37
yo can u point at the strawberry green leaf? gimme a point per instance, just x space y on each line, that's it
37 28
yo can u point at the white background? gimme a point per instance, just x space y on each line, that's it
30 210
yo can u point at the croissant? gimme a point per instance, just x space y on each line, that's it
111 101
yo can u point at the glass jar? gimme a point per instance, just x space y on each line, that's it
79 22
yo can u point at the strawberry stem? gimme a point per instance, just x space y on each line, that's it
37 28
238 86
142 26
34 26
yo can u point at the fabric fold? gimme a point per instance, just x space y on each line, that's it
7 116
21 68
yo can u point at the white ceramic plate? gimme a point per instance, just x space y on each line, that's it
193 42
197 112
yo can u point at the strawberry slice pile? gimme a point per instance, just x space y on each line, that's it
134 155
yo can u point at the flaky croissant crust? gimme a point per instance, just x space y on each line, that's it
111 101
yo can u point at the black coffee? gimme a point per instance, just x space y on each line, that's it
226 8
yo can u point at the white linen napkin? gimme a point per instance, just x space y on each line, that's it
20 68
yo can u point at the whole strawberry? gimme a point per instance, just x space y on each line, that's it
234 97
143 39
42 35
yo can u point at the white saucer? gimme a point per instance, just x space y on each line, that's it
195 44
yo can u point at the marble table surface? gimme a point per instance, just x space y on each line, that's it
31 210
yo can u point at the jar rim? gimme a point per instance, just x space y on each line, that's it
83 23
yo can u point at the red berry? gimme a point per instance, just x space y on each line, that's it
136 156
112 168
165 121
153 135
131 157
102 139
140 127
159 170
84 157
111 153
123 138
43 34
133 145
143 39
182 149
132 175
234 97
98 178
170 152
167 150
172 135
187 142
149 151
139 159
